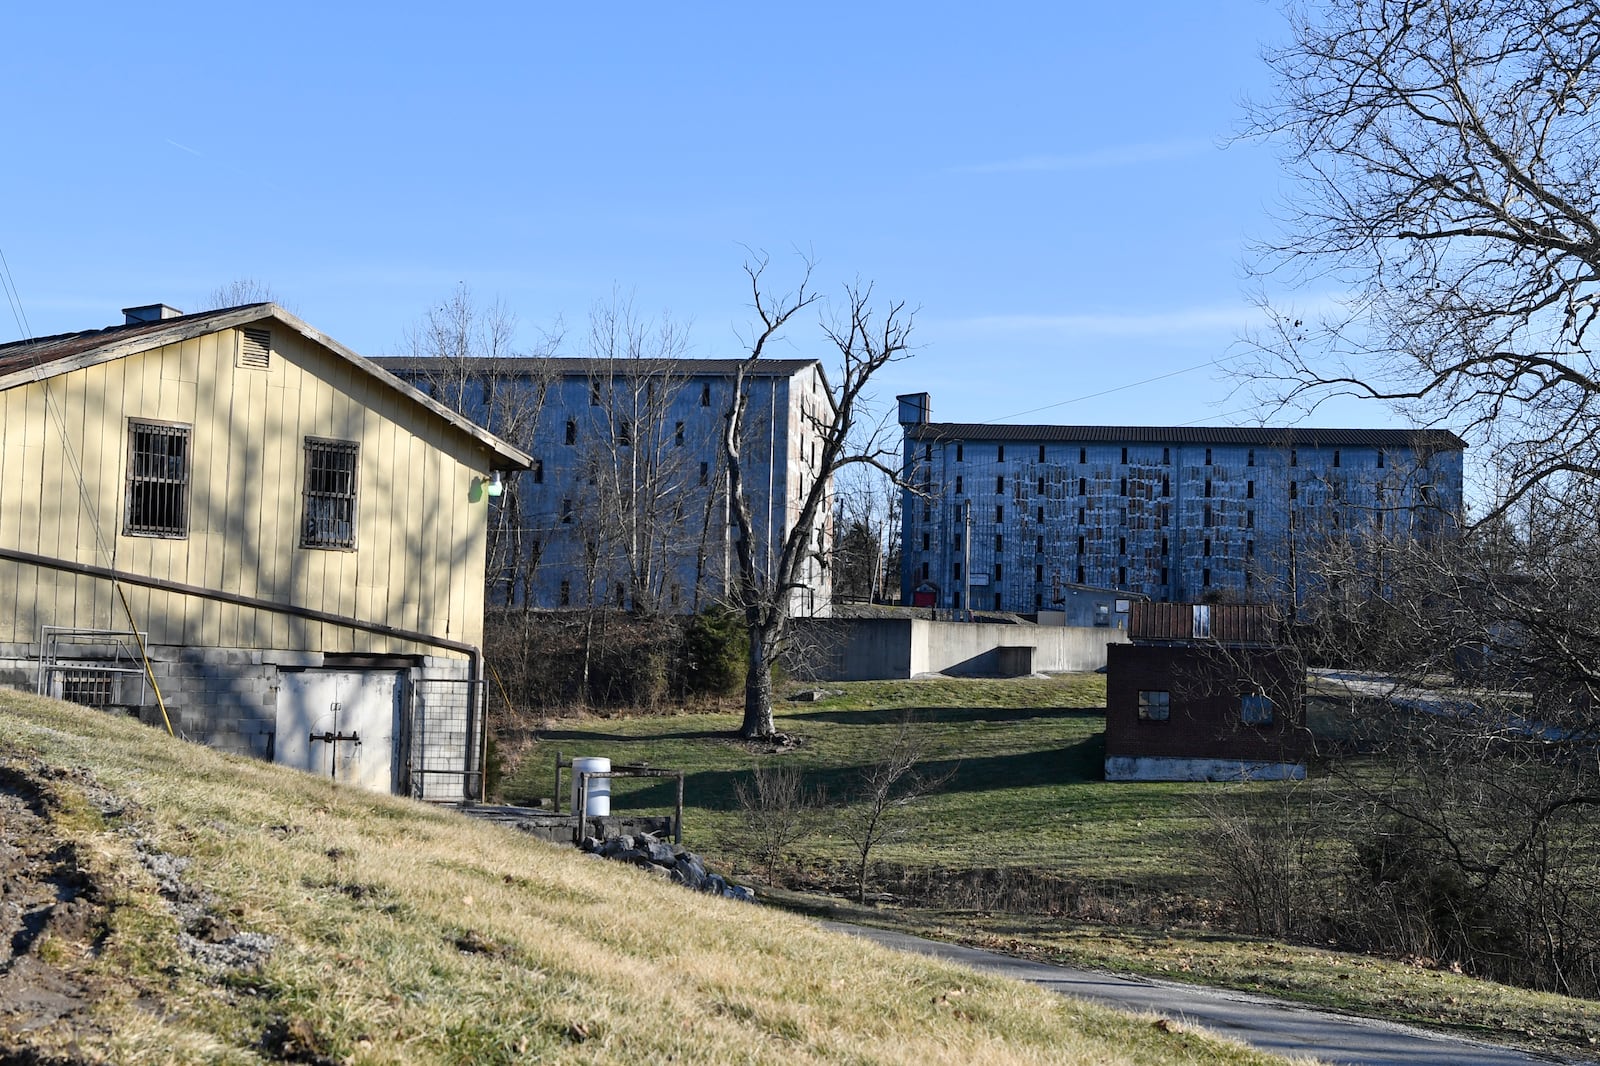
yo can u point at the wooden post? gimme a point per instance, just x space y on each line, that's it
558 782
677 814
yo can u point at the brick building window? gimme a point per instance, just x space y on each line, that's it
1155 705
1250 457
1294 457
1205 578
1124 486
1124 457
997 601
158 480
1166 455
330 494
959 489
1083 486
1040 546
999 483
1080 575
999 512
955 571
1000 453
1208 456
999 570
1208 487
1250 520
1294 490
1083 456
925 542
1041 485
1166 485
1038 573
1336 457
1040 518
1249 490
1041 453
958 452
957 544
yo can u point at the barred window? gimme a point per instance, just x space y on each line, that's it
88 688
330 496
158 480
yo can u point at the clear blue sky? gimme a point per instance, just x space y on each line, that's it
1047 182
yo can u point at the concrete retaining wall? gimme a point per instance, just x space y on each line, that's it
878 649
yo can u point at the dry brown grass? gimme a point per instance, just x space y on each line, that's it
409 934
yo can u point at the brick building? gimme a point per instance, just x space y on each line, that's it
1004 517
1204 693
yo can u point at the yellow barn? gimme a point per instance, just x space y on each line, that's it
232 522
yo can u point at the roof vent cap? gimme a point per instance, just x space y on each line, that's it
149 313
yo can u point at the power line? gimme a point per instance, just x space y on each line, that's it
12 298
1108 392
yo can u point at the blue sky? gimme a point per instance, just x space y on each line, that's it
1048 183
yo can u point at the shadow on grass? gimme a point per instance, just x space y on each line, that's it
937 715
715 789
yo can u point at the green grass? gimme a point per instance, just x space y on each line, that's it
406 934
1026 757
1028 795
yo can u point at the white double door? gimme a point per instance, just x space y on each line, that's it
340 724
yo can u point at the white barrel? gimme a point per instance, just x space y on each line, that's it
599 787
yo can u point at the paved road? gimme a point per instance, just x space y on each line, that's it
1264 1023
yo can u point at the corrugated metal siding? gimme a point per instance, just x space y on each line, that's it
1228 623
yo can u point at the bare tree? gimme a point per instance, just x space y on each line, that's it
888 785
865 340
469 362
241 291
1448 161
778 811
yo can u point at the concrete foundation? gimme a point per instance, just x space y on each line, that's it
1168 768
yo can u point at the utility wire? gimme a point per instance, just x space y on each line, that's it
12 298
1108 392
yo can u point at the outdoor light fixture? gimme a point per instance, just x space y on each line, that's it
495 485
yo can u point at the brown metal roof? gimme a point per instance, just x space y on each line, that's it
42 351
1266 436
22 362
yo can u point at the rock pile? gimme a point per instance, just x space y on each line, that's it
671 862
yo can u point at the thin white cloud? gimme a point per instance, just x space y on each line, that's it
1121 155
1231 317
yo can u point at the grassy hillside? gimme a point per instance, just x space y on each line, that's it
1026 758
175 905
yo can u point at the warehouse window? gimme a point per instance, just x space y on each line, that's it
1124 456
677 434
572 431
999 483
1083 455
1208 456
158 480
1041 486
330 494
1000 453
1083 486
958 484
999 512
1041 453
538 471
705 394
1249 490
566 594
1154 705
958 452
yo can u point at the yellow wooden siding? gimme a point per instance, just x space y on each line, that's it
419 556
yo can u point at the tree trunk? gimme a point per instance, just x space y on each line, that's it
758 685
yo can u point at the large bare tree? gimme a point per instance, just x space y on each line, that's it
1444 225
865 338
1447 157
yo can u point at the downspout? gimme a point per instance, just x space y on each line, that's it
472 651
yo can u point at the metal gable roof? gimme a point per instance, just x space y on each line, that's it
22 362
